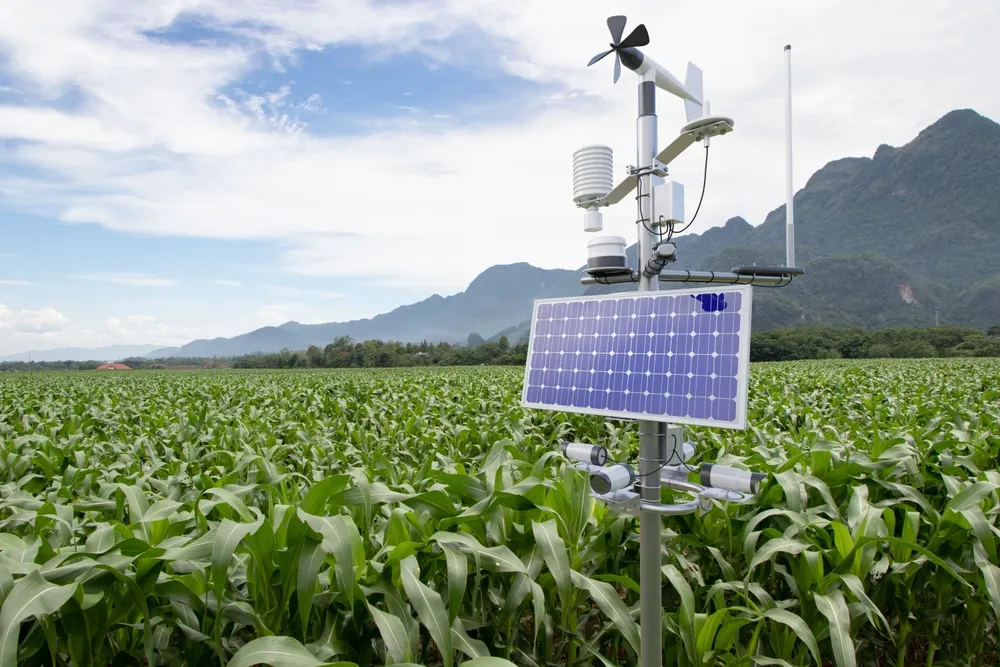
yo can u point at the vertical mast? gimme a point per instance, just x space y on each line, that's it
789 191
650 456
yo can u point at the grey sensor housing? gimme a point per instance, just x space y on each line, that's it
584 453
612 478
731 479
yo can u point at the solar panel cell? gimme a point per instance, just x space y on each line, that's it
680 356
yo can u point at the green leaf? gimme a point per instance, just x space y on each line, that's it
728 571
227 538
991 579
278 652
341 538
473 648
311 559
233 501
498 559
970 496
626 582
31 596
833 606
707 632
772 547
319 494
429 606
683 589
458 575
522 584
556 557
397 643
842 538
759 660
857 589
798 626
611 604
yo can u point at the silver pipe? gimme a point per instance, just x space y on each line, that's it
677 276
723 277
650 526
683 485
668 510
789 188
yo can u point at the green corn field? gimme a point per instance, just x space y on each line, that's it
422 516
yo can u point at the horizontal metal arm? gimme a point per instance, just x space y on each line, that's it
671 510
675 276
690 133
682 485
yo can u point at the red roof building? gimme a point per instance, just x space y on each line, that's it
114 367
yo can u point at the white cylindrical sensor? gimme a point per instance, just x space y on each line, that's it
578 451
593 173
730 479
606 255
612 478
686 452
593 220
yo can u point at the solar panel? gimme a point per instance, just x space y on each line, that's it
679 356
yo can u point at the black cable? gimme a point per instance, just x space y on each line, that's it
662 466
704 182
638 199
666 463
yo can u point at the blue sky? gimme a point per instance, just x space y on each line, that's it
203 168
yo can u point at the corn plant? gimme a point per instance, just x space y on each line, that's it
422 517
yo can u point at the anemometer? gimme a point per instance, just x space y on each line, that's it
664 358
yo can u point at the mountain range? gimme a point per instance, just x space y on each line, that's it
907 237
82 353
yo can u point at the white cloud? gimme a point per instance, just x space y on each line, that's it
44 321
7 255
138 329
16 283
47 328
279 290
157 150
278 313
228 283
127 278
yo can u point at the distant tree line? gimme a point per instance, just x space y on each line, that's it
49 365
835 343
345 353
777 345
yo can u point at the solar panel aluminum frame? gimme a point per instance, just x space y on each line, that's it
743 358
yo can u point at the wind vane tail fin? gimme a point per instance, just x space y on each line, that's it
693 82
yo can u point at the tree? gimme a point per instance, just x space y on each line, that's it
993 331
504 345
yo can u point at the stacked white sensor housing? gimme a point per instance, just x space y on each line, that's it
593 179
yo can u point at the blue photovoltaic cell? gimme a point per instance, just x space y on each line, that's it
680 356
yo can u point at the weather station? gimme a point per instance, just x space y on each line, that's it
664 358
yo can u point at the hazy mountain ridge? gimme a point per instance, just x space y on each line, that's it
499 296
108 353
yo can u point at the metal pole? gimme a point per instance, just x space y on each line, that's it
650 527
789 192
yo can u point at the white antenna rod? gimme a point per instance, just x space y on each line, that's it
789 191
